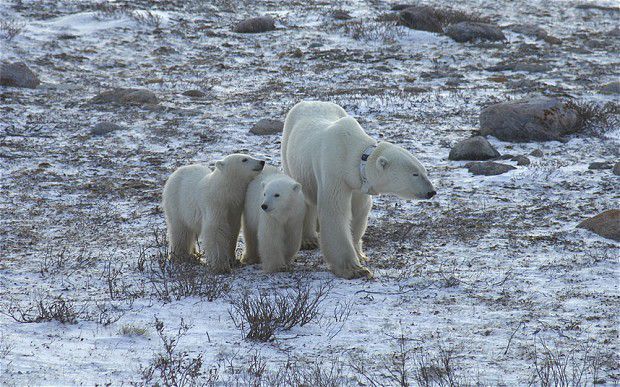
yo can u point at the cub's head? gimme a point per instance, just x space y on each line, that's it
240 165
392 169
279 195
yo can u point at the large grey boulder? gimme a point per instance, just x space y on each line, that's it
605 224
421 18
539 119
610 88
18 75
467 31
488 168
255 25
124 96
475 148
534 30
267 126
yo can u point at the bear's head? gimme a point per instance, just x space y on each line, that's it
392 169
279 195
242 166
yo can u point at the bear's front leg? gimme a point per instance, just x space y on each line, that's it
361 205
271 246
336 239
216 241
250 253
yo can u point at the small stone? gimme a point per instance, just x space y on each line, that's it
616 169
611 88
105 127
194 93
341 14
605 224
18 75
255 25
521 160
470 31
597 165
267 126
475 148
488 168
537 153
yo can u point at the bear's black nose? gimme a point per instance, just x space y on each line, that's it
264 206
262 162
430 194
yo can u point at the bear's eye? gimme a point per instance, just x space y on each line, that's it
244 160
416 175
277 195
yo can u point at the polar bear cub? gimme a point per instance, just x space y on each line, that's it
204 204
273 220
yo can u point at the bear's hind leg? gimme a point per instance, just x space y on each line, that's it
182 242
250 253
310 237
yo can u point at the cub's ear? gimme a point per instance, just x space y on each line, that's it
219 165
296 187
382 162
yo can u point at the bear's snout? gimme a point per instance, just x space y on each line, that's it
262 162
431 194
264 207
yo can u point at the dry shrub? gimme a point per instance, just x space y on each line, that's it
172 367
260 316
44 310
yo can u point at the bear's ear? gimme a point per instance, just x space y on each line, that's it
382 162
219 165
296 187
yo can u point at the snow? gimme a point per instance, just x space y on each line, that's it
489 261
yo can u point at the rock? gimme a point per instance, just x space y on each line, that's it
597 165
124 96
105 127
538 119
194 93
488 168
537 153
616 169
255 25
400 7
469 31
536 31
341 14
420 18
531 67
475 148
267 126
521 160
611 88
605 224
18 75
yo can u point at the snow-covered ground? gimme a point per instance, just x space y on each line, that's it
491 270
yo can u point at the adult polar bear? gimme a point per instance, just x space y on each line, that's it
339 167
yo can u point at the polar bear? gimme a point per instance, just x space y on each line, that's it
340 167
272 220
205 204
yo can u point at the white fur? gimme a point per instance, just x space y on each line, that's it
273 235
321 148
203 204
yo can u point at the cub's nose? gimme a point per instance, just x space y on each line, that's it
431 194
262 162
264 207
